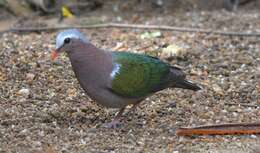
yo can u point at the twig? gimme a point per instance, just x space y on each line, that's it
220 129
135 26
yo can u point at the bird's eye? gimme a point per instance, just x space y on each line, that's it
66 40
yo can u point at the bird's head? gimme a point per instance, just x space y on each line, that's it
66 41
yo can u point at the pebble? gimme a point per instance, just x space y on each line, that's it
30 77
24 92
217 89
253 136
174 51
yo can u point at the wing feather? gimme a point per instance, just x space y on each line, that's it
139 75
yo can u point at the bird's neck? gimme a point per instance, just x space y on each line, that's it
85 51
90 63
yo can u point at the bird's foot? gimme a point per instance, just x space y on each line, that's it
113 125
133 109
116 122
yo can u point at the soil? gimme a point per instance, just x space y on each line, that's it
43 108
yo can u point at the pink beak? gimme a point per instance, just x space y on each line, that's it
54 55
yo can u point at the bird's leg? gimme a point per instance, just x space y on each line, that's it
133 108
116 120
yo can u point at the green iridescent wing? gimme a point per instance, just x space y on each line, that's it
139 75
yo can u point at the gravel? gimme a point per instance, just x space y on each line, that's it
43 108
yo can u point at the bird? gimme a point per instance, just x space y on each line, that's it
117 79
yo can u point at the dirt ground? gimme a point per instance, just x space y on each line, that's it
43 108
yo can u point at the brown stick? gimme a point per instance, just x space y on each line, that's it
136 26
220 129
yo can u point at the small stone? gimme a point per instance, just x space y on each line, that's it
82 141
30 77
149 35
217 89
24 92
253 136
120 47
195 72
235 114
239 110
24 131
174 51
72 92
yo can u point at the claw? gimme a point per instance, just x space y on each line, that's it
116 122
113 125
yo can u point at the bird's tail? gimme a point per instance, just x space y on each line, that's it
187 85
177 74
